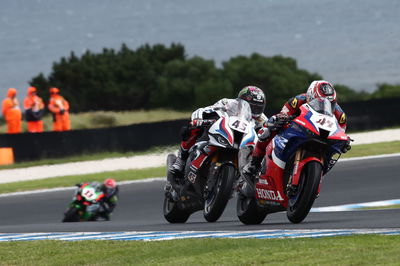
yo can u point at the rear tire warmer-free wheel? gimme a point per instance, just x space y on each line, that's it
299 207
170 208
172 213
71 215
218 198
248 211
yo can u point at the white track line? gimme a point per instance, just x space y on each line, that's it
173 235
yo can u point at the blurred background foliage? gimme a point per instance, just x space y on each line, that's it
164 77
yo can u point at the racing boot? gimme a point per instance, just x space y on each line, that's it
179 165
251 169
249 173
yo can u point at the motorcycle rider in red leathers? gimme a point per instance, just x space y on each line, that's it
191 132
317 89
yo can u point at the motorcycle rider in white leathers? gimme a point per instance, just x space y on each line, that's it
201 117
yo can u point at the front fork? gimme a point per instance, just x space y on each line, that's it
299 162
217 160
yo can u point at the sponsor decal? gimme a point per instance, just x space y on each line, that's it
342 119
192 177
301 122
294 103
269 194
263 181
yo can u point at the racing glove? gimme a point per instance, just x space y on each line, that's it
346 147
202 122
275 122
263 134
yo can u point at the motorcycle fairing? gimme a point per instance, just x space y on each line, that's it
218 129
249 139
270 186
314 121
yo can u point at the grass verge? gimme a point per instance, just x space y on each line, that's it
373 149
397 206
101 119
347 250
67 181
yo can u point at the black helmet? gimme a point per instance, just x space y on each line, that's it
255 97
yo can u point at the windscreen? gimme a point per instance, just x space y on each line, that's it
322 106
239 108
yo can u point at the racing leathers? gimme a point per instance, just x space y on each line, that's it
200 119
290 110
109 202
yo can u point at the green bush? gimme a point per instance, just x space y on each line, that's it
386 91
163 77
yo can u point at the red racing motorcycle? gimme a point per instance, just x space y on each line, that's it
296 160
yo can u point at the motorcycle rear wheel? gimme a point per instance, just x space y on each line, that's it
300 204
220 194
248 211
172 212
71 215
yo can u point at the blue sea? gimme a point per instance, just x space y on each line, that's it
351 42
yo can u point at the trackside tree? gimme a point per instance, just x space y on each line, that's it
165 77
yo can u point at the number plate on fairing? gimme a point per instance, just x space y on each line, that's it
89 193
238 124
324 122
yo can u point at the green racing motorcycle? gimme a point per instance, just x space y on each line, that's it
86 203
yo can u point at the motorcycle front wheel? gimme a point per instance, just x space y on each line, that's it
300 203
220 194
71 215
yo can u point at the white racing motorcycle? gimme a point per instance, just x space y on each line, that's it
212 187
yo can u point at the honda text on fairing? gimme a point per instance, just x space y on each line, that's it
296 160
211 189
86 203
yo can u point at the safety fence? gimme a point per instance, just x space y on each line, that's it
138 137
367 115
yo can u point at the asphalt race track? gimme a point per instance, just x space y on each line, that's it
140 206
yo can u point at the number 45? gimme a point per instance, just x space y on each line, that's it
238 125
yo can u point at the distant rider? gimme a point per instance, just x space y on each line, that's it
110 189
318 89
191 132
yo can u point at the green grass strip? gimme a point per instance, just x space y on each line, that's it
373 149
346 250
397 206
67 181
